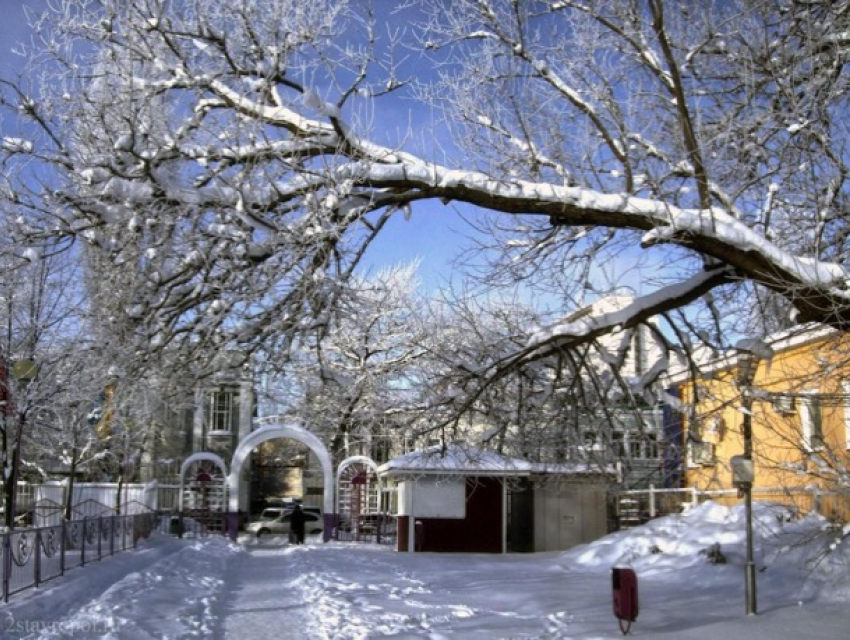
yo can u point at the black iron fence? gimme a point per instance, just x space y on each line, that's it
33 556
376 528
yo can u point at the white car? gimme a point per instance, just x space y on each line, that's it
276 520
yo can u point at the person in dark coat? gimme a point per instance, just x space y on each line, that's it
297 522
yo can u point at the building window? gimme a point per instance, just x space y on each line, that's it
619 444
652 451
642 446
703 453
221 410
811 418
784 404
381 449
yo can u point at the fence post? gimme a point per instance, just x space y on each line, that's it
62 547
7 562
694 497
651 501
37 560
83 544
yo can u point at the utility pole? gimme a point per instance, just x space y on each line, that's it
747 366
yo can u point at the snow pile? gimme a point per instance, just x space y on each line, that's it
810 550
681 539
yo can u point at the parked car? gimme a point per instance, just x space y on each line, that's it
276 521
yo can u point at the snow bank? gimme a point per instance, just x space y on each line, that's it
713 533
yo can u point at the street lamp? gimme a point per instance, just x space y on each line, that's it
743 471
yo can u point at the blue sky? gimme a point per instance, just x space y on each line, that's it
433 234
13 29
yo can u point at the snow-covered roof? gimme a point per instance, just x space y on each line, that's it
454 459
457 459
710 361
572 468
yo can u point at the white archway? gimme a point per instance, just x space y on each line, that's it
294 432
199 457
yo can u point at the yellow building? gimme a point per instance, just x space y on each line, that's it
799 417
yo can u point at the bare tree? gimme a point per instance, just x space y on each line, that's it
353 381
66 410
214 156
63 432
470 331
46 372
596 405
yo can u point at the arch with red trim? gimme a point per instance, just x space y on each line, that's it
202 456
356 462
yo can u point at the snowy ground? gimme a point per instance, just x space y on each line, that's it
211 588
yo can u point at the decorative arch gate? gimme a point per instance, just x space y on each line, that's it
274 431
207 488
357 472
356 478
203 476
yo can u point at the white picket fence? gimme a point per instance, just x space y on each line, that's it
90 499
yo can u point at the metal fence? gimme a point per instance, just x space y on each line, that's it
31 557
374 528
198 522
638 506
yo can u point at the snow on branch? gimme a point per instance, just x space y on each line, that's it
571 335
821 288
640 310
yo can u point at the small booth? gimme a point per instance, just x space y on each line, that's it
459 498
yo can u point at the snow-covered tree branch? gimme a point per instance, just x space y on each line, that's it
352 384
213 160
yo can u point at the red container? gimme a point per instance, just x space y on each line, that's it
625 587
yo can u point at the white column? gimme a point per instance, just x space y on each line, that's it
411 527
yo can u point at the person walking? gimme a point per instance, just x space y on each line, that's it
297 522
